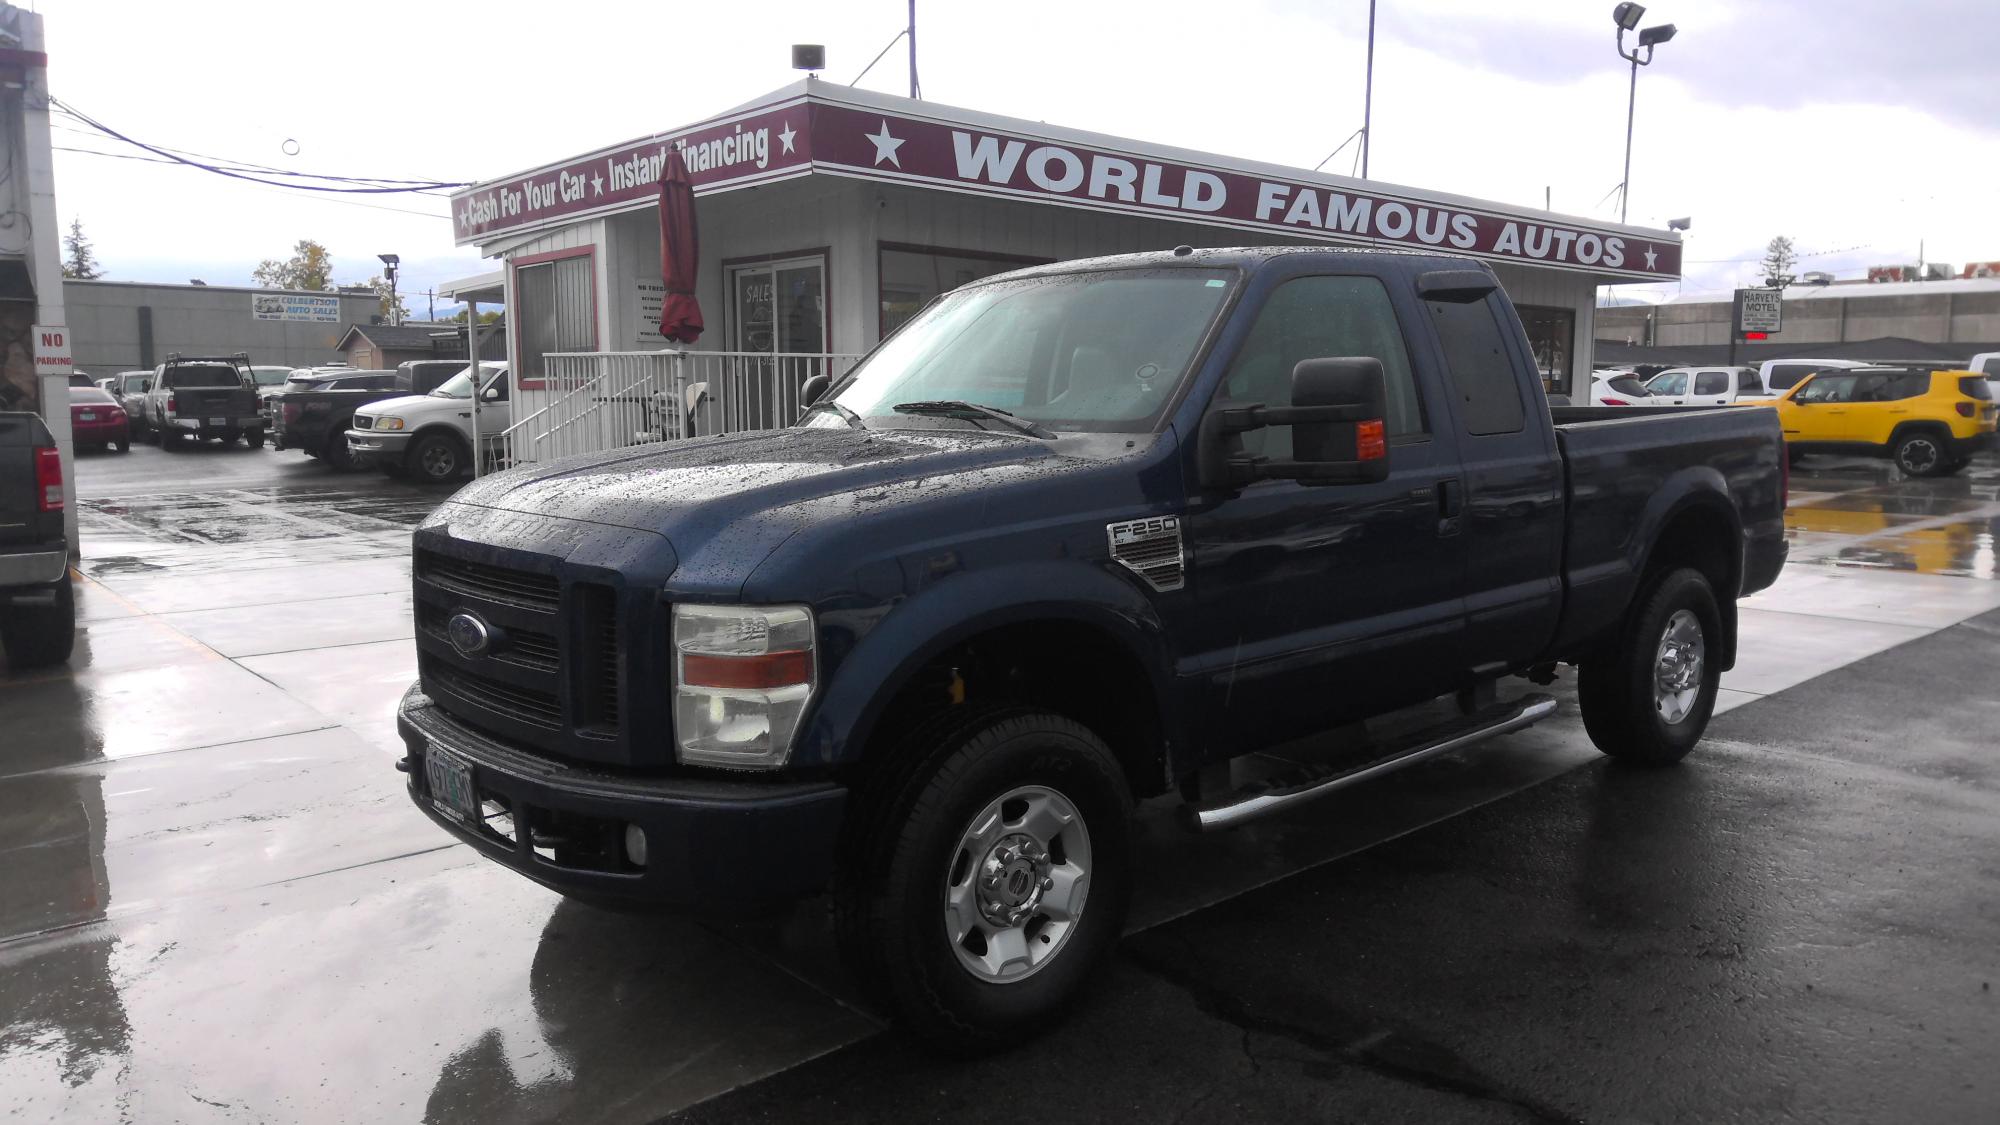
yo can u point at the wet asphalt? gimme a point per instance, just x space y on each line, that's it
218 905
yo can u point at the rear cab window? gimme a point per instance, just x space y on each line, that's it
1482 370
201 375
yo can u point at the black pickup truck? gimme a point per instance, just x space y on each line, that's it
37 607
1069 537
316 418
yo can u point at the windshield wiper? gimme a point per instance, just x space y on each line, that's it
846 413
971 411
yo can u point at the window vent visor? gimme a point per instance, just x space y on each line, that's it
1151 549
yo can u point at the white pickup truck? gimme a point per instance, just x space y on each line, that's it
429 436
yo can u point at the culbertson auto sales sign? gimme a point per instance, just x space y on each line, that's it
308 307
808 135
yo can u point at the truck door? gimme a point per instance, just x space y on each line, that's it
1513 509
1321 604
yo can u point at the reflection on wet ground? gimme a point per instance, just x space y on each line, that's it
1862 514
219 904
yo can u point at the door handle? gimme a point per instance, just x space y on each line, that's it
1451 503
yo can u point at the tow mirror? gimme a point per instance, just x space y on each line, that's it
811 390
1338 421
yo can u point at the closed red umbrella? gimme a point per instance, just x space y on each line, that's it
680 254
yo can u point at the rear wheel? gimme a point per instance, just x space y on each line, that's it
436 458
1648 695
336 454
1920 454
36 636
987 878
254 439
125 445
170 441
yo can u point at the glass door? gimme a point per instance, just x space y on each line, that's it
778 309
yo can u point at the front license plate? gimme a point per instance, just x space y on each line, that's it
450 780
87 417
218 421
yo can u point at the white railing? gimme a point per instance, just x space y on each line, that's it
610 400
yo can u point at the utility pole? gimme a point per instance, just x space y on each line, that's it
1367 95
916 91
431 300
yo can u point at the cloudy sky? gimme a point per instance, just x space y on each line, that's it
1861 129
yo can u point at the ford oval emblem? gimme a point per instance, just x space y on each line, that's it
469 635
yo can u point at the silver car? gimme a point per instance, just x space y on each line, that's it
129 388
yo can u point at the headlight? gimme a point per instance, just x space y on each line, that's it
388 423
742 677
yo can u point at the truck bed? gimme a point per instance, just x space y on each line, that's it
1627 469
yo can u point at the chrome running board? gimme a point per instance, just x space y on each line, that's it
1293 789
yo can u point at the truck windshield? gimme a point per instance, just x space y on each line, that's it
458 386
1099 352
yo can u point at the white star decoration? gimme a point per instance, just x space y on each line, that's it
596 184
885 145
1652 259
785 138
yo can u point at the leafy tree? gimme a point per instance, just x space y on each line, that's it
394 311
79 259
1779 258
310 267
488 317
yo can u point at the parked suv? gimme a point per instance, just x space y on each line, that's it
1781 375
1929 422
37 606
430 436
204 397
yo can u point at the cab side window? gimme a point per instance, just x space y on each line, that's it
1908 384
1482 372
1669 383
1711 383
1322 318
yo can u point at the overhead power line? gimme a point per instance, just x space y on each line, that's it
284 187
346 185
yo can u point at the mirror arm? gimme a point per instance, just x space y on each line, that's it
1242 419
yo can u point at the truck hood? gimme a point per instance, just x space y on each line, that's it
688 487
401 404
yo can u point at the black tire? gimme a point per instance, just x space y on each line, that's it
124 445
1921 453
254 439
1616 686
904 853
436 458
170 442
1794 455
336 454
37 636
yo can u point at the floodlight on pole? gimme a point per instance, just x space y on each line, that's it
1679 224
1627 17
389 264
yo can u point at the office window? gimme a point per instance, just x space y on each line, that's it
912 275
556 311
1551 333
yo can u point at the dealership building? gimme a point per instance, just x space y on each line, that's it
828 215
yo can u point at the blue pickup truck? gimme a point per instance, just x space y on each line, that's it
1069 537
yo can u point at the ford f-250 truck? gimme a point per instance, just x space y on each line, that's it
37 607
1067 538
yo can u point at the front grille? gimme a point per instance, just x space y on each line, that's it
511 587
598 608
524 705
525 647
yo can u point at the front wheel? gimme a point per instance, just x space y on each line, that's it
336 454
436 459
254 439
1920 454
989 876
1647 696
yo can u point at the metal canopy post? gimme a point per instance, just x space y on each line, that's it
472 367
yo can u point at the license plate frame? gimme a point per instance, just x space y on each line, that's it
86 416
448 778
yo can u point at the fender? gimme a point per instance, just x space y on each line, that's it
889 653
1599 595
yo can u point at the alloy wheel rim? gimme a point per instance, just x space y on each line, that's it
1016 884
1919 455
438 461
1678 666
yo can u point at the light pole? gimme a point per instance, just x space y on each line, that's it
1627 17
389 264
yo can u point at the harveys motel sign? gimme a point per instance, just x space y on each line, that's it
806 133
